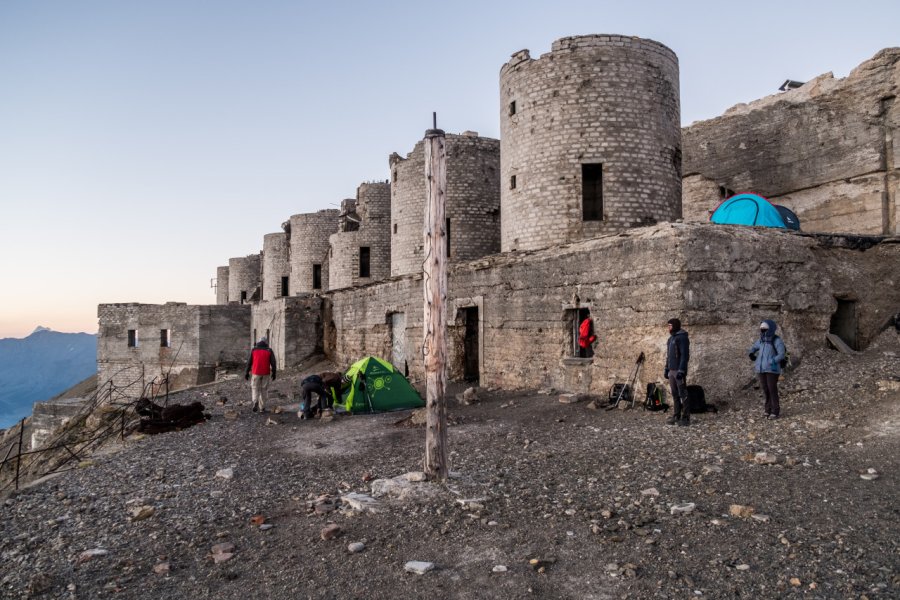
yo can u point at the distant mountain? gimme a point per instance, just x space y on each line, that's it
41 366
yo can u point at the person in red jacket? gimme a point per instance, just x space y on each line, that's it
586 338
260 370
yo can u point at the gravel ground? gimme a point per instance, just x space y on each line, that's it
571 502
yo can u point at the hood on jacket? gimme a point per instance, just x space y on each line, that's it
767 335
263 343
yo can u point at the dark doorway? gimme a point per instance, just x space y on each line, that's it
284 286
364 264
592 192
317 277
470 345
844 323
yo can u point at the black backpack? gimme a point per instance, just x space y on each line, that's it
654 400
696 400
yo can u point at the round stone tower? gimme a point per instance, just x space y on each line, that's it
472 203
590 140
243 278
276 268
361 250
309 250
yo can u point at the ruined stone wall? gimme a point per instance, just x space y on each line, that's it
243 277
826 150
276 264
309 246
373 209
720 280
222 285
598 99
472 201
200 337
294 325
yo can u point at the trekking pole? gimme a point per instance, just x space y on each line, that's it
632 380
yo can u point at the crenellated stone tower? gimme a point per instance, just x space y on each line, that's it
590 140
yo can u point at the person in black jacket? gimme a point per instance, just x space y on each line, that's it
312 384
678 353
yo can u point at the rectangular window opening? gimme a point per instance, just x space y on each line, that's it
284 286
512 182
575 318
317 277
592 192
512 108
447 236
132 338
364 266
243 296
395 229
164 338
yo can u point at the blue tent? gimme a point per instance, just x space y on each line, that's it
752 209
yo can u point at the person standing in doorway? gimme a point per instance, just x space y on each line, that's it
767 353
260 370
678 353
586 338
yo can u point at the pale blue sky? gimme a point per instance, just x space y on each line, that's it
142 144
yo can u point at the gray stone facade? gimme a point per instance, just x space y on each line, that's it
135 354
276 261
293 327
606 101
827 150
244 278
721 281
309 247
371 229
222 285
472 202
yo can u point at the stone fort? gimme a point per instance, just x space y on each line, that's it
594 201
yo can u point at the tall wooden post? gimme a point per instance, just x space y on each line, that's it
435 288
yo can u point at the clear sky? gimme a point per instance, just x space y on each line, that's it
143 144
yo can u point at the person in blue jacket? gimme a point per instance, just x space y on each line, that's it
767 353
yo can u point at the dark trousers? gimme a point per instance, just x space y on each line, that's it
586 351
769 384
308 390
678 388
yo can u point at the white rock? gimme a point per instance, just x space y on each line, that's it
743 567
499 569
650 492
360 502
685 508
225 473
266 526
356 547
418 567
416 476
89 554
760 517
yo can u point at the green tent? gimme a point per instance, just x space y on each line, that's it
375 385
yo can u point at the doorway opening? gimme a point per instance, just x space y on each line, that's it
845 323
470 344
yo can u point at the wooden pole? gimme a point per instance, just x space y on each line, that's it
435 317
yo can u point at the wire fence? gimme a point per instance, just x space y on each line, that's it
76 439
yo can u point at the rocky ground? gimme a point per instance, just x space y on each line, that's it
547 500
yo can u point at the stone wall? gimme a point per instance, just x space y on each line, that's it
372 209
244 278
826 150
600 99
276 264
472 201
309 246
200 338
294 326
222 285
721 281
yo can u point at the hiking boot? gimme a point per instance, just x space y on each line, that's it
766 415
684 422
673 420
255 408
772 417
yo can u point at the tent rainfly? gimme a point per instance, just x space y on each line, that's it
375 385
754 210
